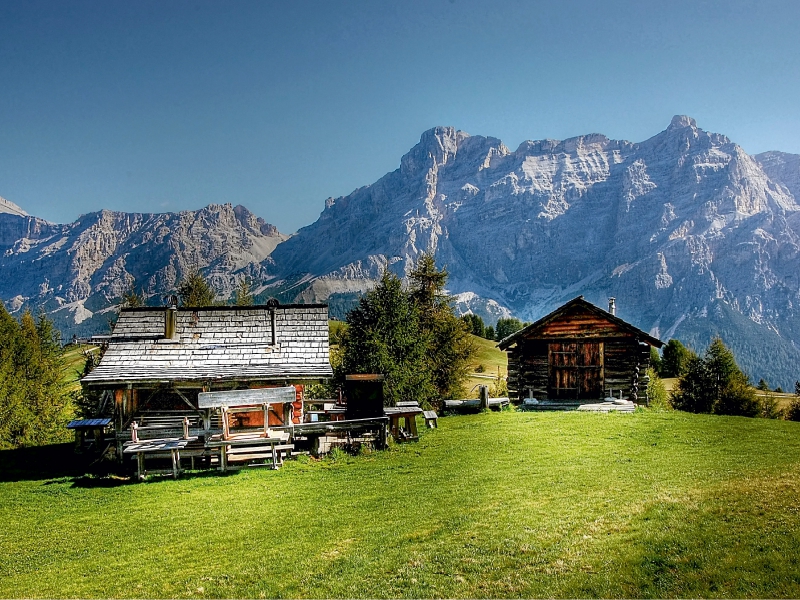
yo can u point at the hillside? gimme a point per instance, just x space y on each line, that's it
489 505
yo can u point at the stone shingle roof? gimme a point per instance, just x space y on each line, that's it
217 344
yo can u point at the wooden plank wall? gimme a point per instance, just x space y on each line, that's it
528 367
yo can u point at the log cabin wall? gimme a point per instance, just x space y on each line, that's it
580 353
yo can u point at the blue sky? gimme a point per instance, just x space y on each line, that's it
164 106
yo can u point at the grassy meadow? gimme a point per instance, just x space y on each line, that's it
509 504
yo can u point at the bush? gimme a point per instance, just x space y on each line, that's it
793 411
656 392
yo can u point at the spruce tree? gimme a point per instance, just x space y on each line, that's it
675 359
242 295
195 291
383 336
450 348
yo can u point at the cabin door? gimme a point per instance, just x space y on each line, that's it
575 370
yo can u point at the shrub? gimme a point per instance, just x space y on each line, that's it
656 392
793 411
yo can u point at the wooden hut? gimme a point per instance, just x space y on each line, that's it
158 360
578 354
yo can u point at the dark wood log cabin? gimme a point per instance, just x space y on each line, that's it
578 353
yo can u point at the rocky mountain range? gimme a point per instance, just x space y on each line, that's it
693 236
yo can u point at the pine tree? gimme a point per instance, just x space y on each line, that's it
655 361
450 349
715 383
131 298
506 327
242 295
383 336
195 291
675 359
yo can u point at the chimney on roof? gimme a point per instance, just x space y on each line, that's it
273 304
171 317
612 306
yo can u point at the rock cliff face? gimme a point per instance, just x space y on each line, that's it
693 236
77 271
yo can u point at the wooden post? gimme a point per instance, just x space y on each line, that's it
139 465
226 434
483 391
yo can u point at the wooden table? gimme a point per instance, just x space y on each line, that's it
407 414
159 446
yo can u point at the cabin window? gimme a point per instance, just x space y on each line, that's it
575 370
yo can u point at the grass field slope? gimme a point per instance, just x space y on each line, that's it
651 504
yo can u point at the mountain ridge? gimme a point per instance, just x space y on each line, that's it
693 236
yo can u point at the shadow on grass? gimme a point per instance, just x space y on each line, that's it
42 462
58 463
112 480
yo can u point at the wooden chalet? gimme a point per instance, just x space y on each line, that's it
578 354
160 361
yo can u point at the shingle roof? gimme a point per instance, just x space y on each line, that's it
588 306
217 343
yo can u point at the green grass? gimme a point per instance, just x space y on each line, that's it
494 504
74 362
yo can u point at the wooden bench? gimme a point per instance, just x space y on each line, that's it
431 419
405 412
245 449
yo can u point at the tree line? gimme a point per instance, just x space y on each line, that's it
714 383
505 327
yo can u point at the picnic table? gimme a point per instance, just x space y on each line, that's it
143 448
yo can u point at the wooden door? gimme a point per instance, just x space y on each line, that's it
563 362
575 370
590 371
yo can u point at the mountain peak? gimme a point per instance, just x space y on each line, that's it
682 121
6 206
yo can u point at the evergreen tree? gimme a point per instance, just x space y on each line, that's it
763 385
131 298
383 336
242 295
675 359
34 401
450 348
506 327
655 361
412 337
715 383
488 333
474 324
194 290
